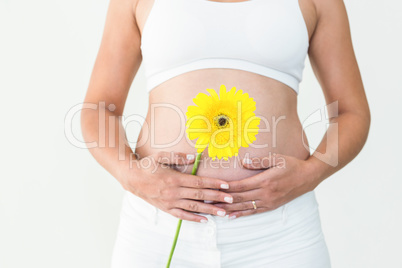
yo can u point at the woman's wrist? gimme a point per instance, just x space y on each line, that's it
126 169
314 171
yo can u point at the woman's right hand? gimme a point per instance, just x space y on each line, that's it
153 179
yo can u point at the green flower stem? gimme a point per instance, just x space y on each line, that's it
194 171
196 163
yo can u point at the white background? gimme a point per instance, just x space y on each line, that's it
60 208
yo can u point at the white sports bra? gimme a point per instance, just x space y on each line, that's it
266 37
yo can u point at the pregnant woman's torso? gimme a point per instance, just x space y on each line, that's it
276 103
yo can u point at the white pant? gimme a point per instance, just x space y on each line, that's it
289 236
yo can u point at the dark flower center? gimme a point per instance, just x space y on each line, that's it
221 121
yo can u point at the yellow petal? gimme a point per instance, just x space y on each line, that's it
222 92
213 93
203 100
232 92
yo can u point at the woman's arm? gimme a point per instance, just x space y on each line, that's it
116 65
287 177
334 63
118 60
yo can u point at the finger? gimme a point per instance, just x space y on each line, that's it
239 206
200 207
205 194
194 181
185 215
174 158
246 196
243 200
247 184
211 202
242 213
260 162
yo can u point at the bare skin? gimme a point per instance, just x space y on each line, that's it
289 171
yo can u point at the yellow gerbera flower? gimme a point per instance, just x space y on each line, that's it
224 123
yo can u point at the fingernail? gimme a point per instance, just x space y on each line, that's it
224 186
221 213
190 156
204 221
247 161
228 199
232 217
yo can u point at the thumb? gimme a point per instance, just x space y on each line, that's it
258 162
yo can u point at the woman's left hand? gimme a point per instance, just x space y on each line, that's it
285 178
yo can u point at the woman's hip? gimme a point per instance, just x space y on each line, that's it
289 235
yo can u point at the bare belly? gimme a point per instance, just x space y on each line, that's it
280 130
